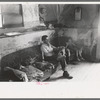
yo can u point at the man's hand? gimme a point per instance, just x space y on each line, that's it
43 60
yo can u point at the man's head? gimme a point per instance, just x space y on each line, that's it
45 39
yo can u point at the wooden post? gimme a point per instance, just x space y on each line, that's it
98 37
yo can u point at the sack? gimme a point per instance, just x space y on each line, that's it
44 65
47 68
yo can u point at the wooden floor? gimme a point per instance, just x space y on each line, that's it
83 71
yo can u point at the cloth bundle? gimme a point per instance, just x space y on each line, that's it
44 65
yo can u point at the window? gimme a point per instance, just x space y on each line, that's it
11 15
78 13
0 18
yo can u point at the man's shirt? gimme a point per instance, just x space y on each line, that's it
47 50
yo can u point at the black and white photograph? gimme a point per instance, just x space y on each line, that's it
47 43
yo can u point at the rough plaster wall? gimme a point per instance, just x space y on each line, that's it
71 32
51 16
12 44
30 15
84 37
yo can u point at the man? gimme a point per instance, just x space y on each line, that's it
51 53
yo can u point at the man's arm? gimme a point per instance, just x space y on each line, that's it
53 47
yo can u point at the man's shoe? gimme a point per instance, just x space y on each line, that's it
69 77
82 59
66 75
78 59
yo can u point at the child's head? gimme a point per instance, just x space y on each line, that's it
69 40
